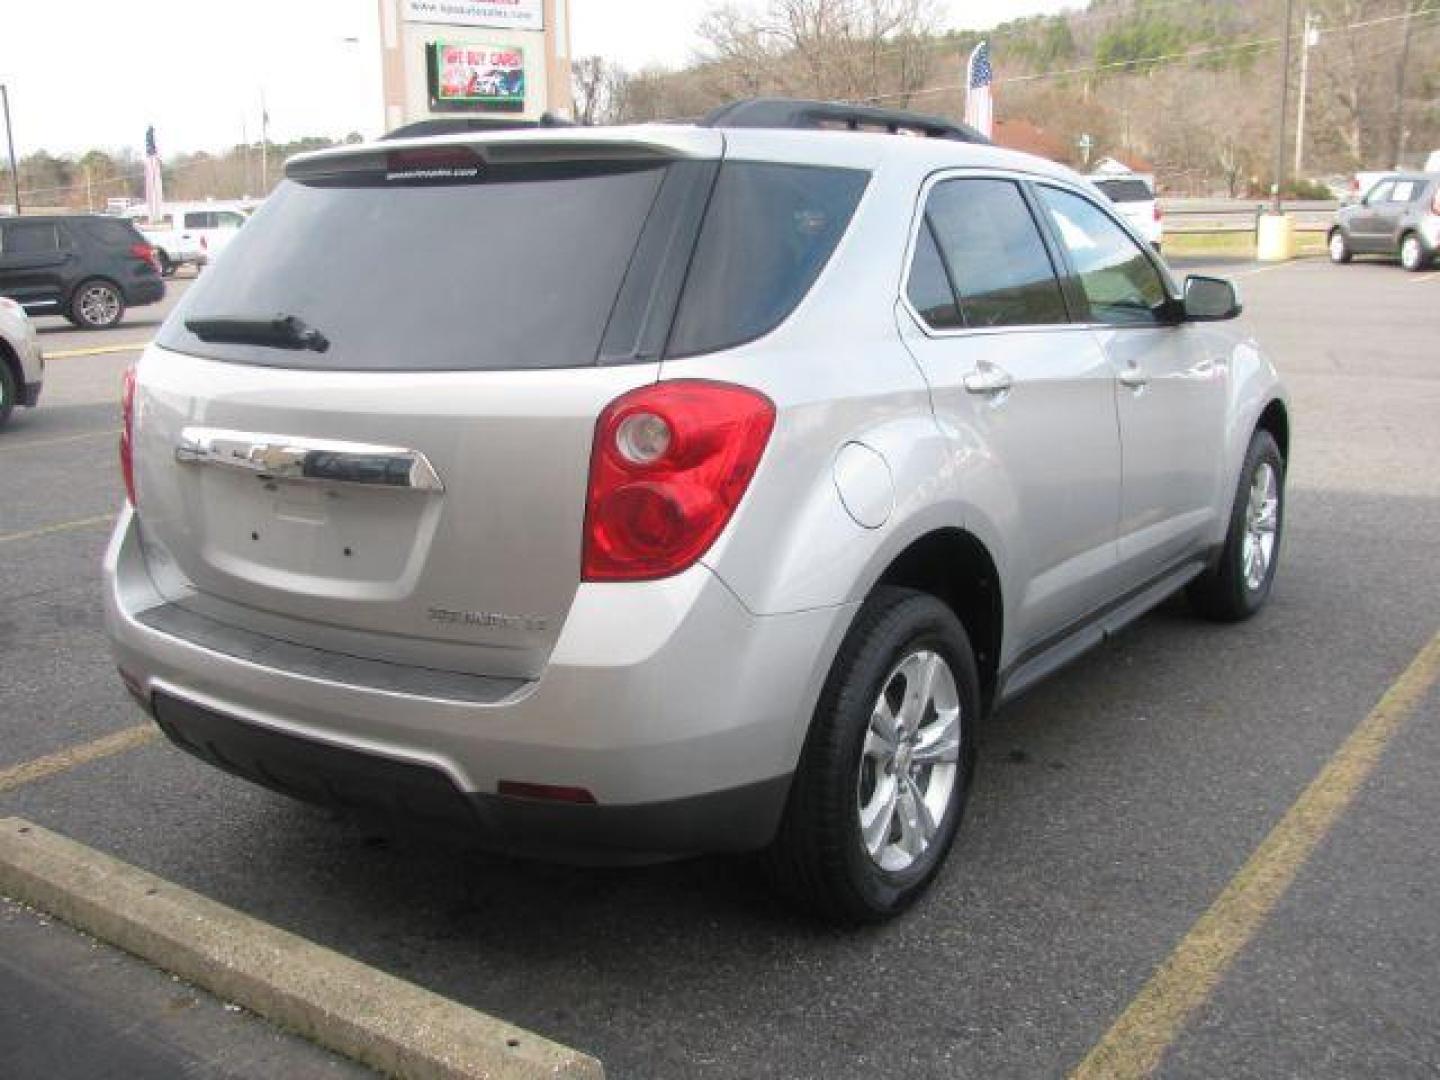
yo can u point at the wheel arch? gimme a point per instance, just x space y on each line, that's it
952 564
11 362
1275 419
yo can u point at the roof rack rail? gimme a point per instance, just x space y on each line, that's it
456 125
798 113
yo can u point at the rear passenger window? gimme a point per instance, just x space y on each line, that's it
1404 191
29 238
997 262
200 219
929 286
1120 283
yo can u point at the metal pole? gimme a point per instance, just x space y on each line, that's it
1284 107
1306 41
10 142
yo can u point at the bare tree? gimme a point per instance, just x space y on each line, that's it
828 49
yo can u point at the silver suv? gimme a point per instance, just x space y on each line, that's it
643 491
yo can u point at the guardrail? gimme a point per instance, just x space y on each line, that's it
1239 215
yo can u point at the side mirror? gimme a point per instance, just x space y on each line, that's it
1210 299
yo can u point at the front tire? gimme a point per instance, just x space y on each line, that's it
96 305
886 770
1238 585
1338 247
1412 253
167 267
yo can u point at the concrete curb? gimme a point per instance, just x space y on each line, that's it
374 1018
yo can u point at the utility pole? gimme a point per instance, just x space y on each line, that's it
1308 40
1284 107
264 147
10 142
1397 141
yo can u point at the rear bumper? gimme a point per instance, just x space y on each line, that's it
739 819
679 711
145 290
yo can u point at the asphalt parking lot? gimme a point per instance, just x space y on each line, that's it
1112 807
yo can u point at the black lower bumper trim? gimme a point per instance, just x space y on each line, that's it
738 819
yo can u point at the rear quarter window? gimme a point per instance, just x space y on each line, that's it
112 232
769 231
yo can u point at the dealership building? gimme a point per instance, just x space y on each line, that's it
474 58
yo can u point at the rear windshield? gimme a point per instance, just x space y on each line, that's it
1122 191
512 267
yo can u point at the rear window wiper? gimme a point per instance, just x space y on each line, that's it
278 331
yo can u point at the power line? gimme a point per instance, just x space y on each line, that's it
1144 61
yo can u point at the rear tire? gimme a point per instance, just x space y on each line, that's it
1238 585
1339 249
96 305
892 743
1412 253
9 391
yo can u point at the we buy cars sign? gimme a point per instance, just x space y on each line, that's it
513 14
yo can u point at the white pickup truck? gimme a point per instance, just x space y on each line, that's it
189 234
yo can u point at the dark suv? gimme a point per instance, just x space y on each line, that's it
86 267
1399 216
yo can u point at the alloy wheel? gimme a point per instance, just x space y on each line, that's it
1262 515
909 766
99 305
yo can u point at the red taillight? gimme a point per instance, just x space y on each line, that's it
1435 202
127 432
1158 214
145 253
670 463
521 789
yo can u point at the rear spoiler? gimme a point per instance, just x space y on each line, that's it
510 146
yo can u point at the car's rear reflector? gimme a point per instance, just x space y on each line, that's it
519 789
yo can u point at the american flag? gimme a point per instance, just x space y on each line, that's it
979 101
154 184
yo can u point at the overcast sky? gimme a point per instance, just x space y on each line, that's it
85 73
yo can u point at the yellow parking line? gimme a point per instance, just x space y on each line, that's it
64 526
64 760
1136 1041
29 444
96 350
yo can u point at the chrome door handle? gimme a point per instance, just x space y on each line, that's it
988 379
1133 377
321 461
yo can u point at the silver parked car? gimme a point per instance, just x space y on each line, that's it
22 364
652 490
1399 216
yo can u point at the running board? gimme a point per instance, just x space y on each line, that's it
1041 663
